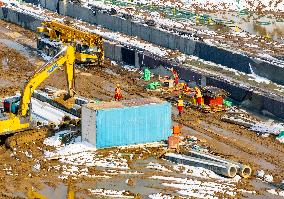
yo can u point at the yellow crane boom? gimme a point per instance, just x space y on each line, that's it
89 46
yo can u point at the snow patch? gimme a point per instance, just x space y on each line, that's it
157 166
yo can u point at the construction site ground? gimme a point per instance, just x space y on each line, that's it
136 170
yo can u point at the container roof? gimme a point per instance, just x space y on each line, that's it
124 103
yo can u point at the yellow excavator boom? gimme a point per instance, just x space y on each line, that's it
45 71
15 123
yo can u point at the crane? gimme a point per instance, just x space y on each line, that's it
17 118
89 46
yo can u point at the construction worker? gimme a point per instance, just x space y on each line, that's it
186 89
146 74
198 95
117 95
175 75
180 105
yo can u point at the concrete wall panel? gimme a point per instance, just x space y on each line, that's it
191 44
70 9
267 70
52 5
62 8
28 21
155 36
223 57
177 40
42 3
123 26
117 53
145 32
135 29
109 50
171 38
12 16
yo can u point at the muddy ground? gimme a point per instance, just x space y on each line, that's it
17 171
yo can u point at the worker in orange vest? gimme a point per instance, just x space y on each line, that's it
180 106
198 95
117 95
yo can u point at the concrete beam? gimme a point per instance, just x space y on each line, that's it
228 170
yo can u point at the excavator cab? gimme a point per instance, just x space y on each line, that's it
86 54
11 105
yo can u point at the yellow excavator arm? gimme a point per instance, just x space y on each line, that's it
21 121
65 56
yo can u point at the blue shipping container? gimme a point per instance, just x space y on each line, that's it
109 124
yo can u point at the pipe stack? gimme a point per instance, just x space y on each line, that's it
218 165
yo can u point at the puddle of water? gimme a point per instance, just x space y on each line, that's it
60 192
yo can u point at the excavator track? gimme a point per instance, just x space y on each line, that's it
27 136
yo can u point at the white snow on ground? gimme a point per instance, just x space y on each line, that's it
196 188
110 193
259 79
274 192
269 5
157 166
160 196
82 153
265 177
115 36
270 128
55 140
71 149
210 4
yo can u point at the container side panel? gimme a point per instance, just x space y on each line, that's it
133 125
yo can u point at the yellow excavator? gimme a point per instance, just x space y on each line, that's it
16 115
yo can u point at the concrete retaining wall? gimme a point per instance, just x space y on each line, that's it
22 19
169 40
131 56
